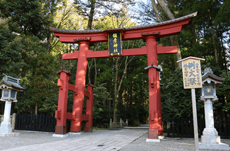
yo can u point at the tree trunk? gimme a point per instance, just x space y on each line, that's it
95 74
166 9
88 70
154 5
214 44
92 7
36 108
115 93
169 14
177 56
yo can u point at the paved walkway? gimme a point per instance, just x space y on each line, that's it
99 140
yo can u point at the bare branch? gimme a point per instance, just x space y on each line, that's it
156 11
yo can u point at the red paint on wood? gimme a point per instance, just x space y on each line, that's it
69 116
60 114
86 94
125 52
72 87
59 83
166 50
105 53
89 109
160 127
80 83
154 90
165 30
85 117
70 55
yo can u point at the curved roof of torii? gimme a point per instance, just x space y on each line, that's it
157 27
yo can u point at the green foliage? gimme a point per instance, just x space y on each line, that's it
101 113
222 106
177 101
39 77
10 50
25 16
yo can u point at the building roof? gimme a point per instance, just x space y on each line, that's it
122 29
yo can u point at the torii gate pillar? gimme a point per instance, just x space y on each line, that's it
155 115
80 83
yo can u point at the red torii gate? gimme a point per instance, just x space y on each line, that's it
150 33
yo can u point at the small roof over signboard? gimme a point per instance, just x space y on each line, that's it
209 77
10 82
190 57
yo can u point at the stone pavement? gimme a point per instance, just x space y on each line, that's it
168 144
99 140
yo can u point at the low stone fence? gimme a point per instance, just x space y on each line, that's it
12 120
118 124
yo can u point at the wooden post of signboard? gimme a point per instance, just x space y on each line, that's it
192 79
195 119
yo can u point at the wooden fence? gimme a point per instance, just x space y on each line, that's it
184 127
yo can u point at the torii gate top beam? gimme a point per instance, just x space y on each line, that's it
167 28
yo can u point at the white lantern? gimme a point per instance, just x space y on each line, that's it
210 81
210 138
10 86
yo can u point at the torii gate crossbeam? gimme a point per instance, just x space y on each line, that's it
150 33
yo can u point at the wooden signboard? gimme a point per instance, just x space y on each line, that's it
115 43
191 73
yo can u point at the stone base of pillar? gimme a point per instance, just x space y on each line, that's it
5 127
210 139
153 140
210 131
60 135
220 146
9 134
210 136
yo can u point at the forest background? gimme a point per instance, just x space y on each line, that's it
29 51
